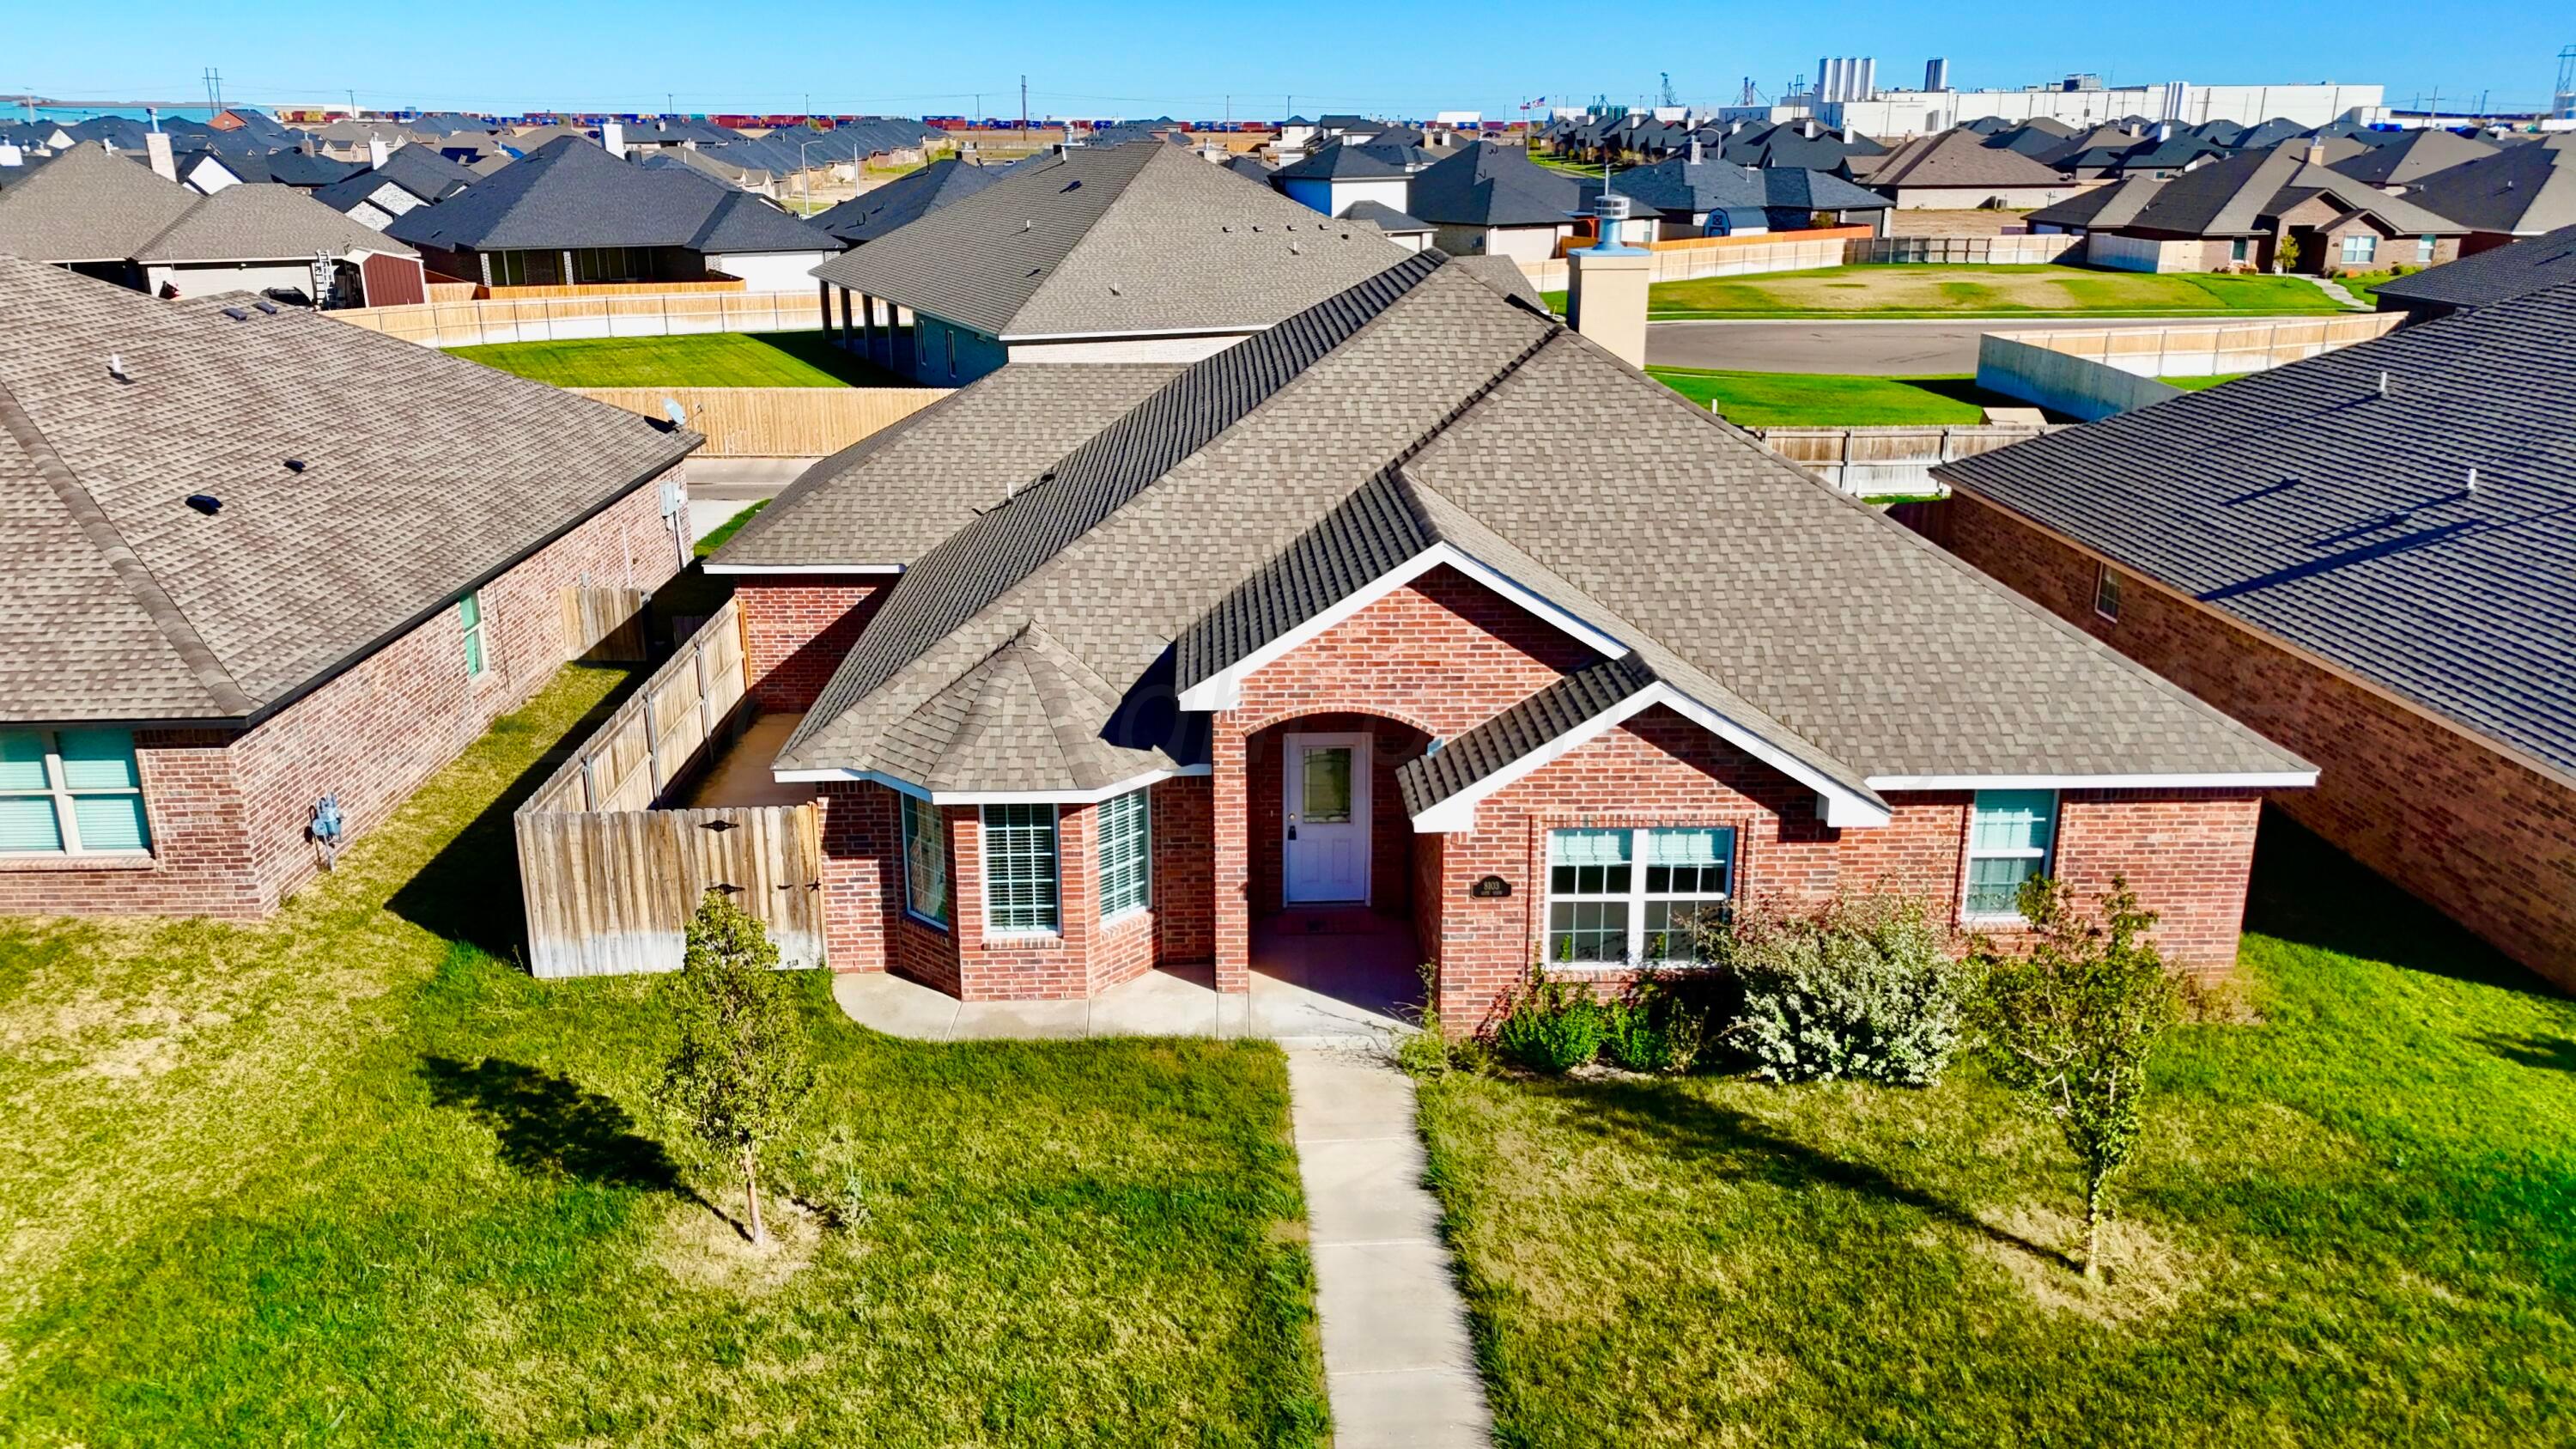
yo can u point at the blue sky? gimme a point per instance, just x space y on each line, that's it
1091 60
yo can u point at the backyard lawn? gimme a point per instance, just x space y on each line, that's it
351 1175
1802 399
708 359
2011 291
2353 1220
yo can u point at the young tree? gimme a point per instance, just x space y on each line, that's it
2070 1022
739 1074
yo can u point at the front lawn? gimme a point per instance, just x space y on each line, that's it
1803 399
2009 291
707 359
349 1175
2201 383
2354 1221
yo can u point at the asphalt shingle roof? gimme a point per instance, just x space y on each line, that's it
127 605
2525 189
2307 505
1490 184
1675 185
2497 275
1386 218
571 193
1135 238
2235 197
416 169
1257 486
1954 158
1339 162
2411 158
87 205
906 199
262 221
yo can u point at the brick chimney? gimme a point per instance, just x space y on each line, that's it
156 148
1606 294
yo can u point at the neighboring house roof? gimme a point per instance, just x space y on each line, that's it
1251 166
1788 144
904 200
2410 158
1386 218
304 169
86 205
262 221
128 605
1675 185
1339 162
2498 275
1490 184
2523 189
1140 238
2239 196
570 193
1419 418
416 169
1953 158
2309 505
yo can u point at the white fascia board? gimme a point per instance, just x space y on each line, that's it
1840 805
722 568
1224 689
989 797
1237 329
2243 780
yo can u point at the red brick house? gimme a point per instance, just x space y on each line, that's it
2367 557
1105 670
261 557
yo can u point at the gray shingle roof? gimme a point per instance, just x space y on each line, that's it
1676 185
2303 503
1280 474
1386 218
906 199
2496 275
1521 730
1142 238
127 605
571 193
2238 197
2417 155
1954 158
1490 184
416 169
86 205
2523 189
263 221
1338 162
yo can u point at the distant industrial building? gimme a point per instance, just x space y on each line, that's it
2082 100
1850 78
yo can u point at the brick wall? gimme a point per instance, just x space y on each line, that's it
796 629
2484 838
228 810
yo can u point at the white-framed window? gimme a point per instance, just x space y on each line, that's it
71 792
469 614
925 861
2425 246
1622 896
1126 854
2106 592
2359 247
1020 874
2010 835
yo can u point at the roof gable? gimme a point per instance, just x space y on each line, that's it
571 193
1490 184
86 205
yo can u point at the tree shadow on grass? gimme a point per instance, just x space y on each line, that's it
469 890
2307 892
548 1124
2541 1053
1672 1122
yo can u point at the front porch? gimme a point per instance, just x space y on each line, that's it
1319 979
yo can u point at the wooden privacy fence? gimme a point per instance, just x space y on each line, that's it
605 624
1798 251
1876 462
610 881
775 422
552 319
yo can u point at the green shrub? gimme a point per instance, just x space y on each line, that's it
1655 1027
1553 1026
1867 988
1425 1053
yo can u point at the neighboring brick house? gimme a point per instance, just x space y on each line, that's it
241 586
2233 215
2368 557
1347 618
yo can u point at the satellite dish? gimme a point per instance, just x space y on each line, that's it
678 415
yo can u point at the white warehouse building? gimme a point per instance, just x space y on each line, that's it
1910 113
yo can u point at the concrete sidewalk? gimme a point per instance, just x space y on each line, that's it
1398 1363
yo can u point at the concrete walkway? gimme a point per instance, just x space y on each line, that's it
1182 1001
1398 1364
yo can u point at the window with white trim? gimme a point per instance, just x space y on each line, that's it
925 861
469 613
2010 834
70 792
1126 854
1621 896
2425 246
2106 592
1019 869
2359 247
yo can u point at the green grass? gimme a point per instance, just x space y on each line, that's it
717 535
1800 399
2353 1221
2009 291
348 1175
711 359
2200 384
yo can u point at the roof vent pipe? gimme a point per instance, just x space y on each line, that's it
2383 382
116 368
2473 481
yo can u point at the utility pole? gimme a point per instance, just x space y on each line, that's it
670 103
1024 109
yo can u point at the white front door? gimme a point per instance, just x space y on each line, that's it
1327 801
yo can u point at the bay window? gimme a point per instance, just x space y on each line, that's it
925 861
1126 855
1020 870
